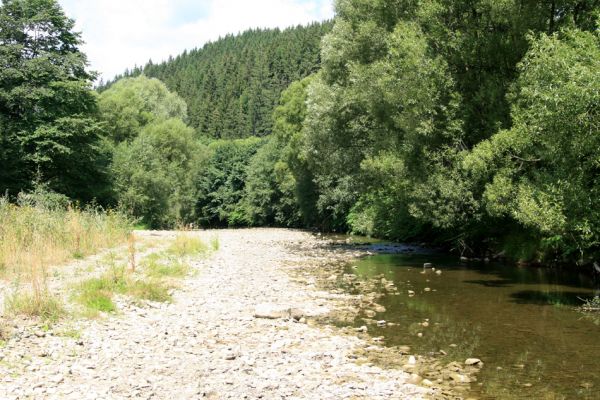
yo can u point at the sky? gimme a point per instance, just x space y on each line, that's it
120 34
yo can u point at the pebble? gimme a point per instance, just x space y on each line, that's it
241 327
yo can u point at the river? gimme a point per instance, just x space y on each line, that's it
521 322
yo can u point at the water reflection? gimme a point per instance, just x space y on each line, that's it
520 321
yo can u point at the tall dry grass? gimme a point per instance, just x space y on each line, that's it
32 238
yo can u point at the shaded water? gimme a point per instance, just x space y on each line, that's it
520 322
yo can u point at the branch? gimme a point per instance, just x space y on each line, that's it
525 160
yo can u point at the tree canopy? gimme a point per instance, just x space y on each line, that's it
472 125
232 85
48 125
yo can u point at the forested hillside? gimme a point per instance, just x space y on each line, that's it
232 85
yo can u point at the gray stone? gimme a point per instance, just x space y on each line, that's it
271 311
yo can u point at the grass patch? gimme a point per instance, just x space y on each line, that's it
187 245
70 333
153 290
43 230
36 304
51 236
97 294
159 265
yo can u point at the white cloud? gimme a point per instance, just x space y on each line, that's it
122 33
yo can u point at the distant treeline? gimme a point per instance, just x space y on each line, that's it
472 125
232 85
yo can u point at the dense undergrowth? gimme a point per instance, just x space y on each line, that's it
44 230
34 236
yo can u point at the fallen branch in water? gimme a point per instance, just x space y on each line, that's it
590 305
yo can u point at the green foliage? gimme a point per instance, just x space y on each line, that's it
469 123
221 183
543 172
48 126
409 131
155 175
384 122
156 156
232 85
131 104
279 186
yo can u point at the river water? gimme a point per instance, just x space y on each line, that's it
520 321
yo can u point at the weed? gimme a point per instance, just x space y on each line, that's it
51 236
131 251
157 267
592 304
152 290
187 245
96 294
69 332
214 243
4 333
36 304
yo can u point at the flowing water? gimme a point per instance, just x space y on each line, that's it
520 321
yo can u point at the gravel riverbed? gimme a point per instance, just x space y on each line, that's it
240 327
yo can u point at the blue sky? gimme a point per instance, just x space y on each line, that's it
122 33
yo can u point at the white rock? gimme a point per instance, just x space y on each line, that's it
271 311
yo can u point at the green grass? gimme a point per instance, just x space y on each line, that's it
141 226
97 294
33 304
69 332
161 265
152 290
151 282
186 245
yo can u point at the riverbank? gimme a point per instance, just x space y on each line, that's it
241 324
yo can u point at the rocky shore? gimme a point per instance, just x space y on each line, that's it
251 321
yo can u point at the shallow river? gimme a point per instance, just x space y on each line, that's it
520 322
